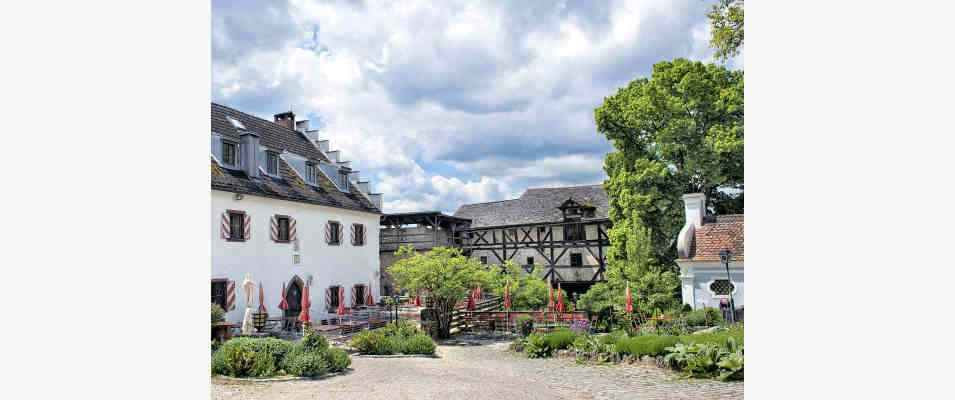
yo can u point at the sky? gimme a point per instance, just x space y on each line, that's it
440 104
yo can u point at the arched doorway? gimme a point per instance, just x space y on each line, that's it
293 296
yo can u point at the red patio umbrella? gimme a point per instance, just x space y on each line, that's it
417 300
507 297
283 305
477 292
304 317
550 301
369 298
341 300
560 299
471 305
262 308
629 305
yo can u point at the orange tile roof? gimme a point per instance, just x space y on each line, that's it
718 233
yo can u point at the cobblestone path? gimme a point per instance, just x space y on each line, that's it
476 369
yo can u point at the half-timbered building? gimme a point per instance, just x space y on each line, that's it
563 230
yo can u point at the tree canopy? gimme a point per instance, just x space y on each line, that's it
726 28
679 131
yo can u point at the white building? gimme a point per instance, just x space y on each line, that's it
702 239
289 212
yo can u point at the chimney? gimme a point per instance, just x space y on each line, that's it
695 204
249 146
323 145
301 126
286 119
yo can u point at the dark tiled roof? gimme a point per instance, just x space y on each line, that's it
290 186
536 205
718 233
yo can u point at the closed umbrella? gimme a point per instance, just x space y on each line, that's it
341 300
550 301
369 297
471 305
306 303
629 305
262 308
417 300
560 299
283 305
248 287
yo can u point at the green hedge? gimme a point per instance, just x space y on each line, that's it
649 345
560 339
401 339
265 357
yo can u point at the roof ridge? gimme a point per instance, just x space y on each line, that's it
258 118
563 187
488 202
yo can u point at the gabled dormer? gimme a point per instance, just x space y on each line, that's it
574 211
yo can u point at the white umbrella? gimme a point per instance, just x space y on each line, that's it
248 287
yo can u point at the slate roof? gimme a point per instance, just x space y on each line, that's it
718 233
536 205
290 187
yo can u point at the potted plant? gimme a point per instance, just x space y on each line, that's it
221 330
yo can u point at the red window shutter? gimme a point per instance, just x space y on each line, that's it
328 299
292 232
248 227
328 232
364 237
275 229
353 235
354 295
230 296
224 227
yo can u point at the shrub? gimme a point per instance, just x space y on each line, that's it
218 314
719 338
403 328
704 317
559 339
257 357
338 360
649 345
313 341
536 347
418 344
371 342
307 363
518 344
525 325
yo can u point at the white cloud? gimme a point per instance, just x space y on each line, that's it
453 102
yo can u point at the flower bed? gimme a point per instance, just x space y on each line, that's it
270 357
716 354
403 338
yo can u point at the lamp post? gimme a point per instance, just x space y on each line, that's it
725 256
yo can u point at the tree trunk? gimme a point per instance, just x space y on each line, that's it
443 310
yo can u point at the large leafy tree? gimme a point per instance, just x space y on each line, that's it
528 291
446 275
726 28
679 131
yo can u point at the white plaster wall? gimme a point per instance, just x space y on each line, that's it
272 263
696 277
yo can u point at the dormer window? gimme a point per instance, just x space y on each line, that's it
310 173
271 163
343 177
229 153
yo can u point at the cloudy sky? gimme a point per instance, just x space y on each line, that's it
452 102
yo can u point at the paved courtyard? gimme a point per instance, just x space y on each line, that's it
473 369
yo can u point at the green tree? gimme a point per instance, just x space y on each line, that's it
678 132
529 291
726 28
446 275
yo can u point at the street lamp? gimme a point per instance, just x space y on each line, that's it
725 256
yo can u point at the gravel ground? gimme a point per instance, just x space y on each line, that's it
481 368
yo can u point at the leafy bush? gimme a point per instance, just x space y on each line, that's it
307 363
518 344
218 314
372 342
256 357
313 341
525 325
705 360
418 344
535 346
596 348
719 338
708 316
649 345
338 360
403 328
560 339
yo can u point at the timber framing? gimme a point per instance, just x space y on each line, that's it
505 241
